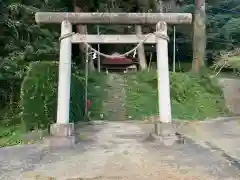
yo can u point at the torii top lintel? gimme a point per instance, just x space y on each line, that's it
113 18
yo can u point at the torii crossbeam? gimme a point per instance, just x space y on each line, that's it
113 18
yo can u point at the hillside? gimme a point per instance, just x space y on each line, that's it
193 98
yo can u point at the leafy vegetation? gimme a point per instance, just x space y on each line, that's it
10 135
39 96
22 40
193 98
228 59
38 102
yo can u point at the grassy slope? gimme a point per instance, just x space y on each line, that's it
10 130
192 97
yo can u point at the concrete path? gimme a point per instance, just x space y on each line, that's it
117 150
222 136
231 91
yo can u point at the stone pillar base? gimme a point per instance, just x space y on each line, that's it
167 134
164 129
62 136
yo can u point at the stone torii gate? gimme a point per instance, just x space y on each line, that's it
63 131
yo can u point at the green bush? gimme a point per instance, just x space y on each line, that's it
39 96
192 97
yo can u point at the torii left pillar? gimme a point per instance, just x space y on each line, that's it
163 126
62 132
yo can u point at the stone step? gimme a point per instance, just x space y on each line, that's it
114 105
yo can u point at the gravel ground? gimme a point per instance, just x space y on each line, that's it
116 150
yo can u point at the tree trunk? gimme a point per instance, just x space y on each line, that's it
140 50
199 36
82 29
160 6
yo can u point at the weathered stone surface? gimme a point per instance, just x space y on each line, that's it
164 129
62 130
166 133
62 136
113 18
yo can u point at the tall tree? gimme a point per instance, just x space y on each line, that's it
199 36
141 52
83 6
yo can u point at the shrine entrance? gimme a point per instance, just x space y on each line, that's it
63 128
